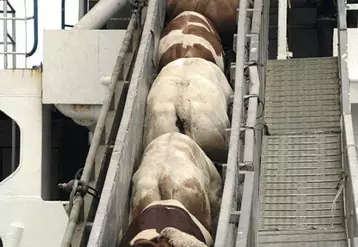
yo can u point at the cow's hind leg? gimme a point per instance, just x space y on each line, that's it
195 200
208 128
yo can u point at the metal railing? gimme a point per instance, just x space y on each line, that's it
7 8
83 9
88 167
13 18
246 132
350 163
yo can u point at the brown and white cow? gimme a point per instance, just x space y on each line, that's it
221 12
166 223
190 96
173 166
190 34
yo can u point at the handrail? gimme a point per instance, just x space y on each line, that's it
78 199
232 168
35 17
36 30
349 149
247 223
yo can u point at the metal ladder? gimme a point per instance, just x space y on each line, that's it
301 164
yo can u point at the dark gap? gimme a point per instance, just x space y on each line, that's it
180 124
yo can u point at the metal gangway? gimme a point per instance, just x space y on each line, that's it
304 191
275 207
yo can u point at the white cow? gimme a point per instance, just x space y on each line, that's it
190 96
173 166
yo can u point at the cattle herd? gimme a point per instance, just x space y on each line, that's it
177 189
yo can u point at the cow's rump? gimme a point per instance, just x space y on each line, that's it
190 96
174 167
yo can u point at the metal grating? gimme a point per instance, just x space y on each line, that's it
301 159
302 96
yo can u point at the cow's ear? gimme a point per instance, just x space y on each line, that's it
144 243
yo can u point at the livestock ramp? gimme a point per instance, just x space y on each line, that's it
301 165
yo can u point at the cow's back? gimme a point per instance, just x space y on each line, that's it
221 12
190 34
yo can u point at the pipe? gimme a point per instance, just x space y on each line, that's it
99 15
63 14
78 199
36 30
85 115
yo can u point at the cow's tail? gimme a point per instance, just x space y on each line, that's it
166 188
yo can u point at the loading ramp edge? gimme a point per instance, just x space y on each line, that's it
111 219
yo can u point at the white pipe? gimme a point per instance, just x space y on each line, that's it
99 15
85 115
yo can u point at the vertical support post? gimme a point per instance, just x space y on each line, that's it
282 30
81 9
13 124
5 32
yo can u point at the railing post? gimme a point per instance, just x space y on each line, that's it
282 30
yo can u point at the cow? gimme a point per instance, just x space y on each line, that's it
221 12
190 96
173 166
190 34
166 223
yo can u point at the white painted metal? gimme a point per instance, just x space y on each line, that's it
100 14
352 6
76 61
26 219
282 51
74 73
352 34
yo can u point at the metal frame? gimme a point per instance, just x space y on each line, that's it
111 220
83 9
231 184
349 149
250 28
96 139
14 19
5 53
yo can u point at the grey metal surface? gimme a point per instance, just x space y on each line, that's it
302 96
301 162
111 219
230 195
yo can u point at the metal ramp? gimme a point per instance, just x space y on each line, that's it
301 157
